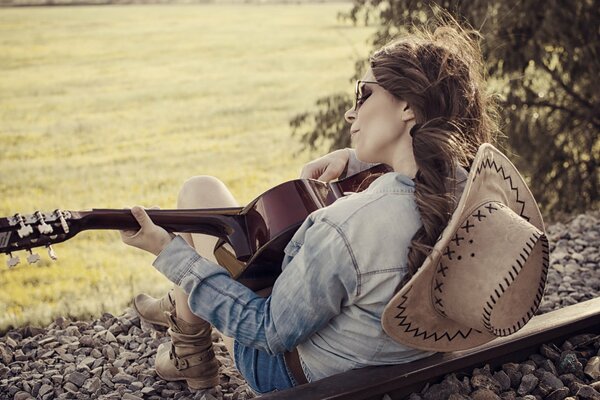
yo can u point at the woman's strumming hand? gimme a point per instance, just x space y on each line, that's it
150 237
326 168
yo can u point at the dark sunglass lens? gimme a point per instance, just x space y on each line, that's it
358 93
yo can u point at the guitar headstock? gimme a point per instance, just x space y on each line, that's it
24 232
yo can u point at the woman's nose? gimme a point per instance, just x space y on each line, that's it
350 115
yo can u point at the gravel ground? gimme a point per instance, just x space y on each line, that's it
113 356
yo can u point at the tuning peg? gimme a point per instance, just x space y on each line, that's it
43 227
25 230
32 257
12 260
51 253
63 222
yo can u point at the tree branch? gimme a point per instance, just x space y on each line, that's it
566 87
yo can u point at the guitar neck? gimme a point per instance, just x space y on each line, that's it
219 222
41 229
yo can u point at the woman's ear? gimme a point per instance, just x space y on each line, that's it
407 112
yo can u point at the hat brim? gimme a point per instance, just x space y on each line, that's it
410 316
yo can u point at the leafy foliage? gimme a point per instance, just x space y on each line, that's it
542 56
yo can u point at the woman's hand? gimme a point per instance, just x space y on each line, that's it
328 167
150 237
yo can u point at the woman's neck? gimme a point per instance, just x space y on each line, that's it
403 159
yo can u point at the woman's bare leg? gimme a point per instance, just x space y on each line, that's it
201 192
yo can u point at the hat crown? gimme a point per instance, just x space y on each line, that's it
464 288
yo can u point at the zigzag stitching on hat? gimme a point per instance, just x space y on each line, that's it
488 163
408 326
488 308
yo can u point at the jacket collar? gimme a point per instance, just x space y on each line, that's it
400 183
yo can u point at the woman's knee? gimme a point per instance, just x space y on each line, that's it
204 190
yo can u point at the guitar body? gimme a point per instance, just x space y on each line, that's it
251 238
271 220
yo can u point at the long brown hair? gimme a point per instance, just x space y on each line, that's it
439 72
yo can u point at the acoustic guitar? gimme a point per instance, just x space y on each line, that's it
251 238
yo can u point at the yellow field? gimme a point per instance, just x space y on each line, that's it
107 107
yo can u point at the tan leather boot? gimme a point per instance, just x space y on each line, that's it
189 356
153 310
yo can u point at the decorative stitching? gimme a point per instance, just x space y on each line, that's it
488 308
442 270
479 215
490 207
457 239
488 163
448 253
416 331
466 226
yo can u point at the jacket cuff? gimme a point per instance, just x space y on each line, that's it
178 258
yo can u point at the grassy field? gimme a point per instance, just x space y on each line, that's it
107 107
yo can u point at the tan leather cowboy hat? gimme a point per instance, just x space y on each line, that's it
486 274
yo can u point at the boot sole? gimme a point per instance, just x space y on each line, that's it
160 324
195 384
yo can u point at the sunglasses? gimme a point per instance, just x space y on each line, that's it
359 94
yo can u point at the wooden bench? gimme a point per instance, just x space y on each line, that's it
400 380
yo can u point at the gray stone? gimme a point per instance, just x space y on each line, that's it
147 391
87 340
483 381
537 359
453 396
503 380
568 379
67 357
587 392
528 383
45 389
509 395
92 385
439 392
123 378
569 364
527 367
549 383
515 376
129 396
484 394
71 388
592 368
77 378
549 366
22 396
6 354
558 394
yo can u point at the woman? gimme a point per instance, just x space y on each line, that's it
421 108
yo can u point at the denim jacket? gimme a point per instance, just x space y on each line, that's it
339 271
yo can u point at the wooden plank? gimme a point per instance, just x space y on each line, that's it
400 380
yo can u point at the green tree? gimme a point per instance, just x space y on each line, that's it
543 58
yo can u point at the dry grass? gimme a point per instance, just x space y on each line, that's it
105 107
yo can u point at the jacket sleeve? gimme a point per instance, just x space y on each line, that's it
316 283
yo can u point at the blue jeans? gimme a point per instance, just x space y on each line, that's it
263 372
